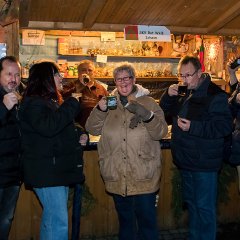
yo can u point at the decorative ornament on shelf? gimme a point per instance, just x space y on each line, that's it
179 45
236 40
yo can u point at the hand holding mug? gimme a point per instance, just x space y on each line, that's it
102 104
173 90
10 99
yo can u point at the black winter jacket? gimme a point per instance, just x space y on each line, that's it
201 148
235 109
9 144
52 155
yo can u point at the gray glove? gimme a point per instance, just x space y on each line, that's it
134 121
139 109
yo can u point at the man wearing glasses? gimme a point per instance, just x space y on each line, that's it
201 121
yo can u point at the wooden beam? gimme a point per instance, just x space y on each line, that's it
55 25
93 11
12 39
72 26
225 18
78 33
24 11
11 13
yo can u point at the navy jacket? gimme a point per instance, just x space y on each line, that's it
234 158
52 155
201 148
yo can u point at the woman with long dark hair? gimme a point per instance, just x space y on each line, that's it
52 153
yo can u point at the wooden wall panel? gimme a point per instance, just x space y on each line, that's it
102 220
12 39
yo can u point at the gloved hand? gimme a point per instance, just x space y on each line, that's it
139 109
134 121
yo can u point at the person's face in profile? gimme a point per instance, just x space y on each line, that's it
58 80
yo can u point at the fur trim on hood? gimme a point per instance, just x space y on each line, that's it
141 91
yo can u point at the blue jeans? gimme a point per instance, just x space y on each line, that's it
54 222
8 200
76 211
200 193
137 216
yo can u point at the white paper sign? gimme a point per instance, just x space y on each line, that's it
101 58
108 36
33 37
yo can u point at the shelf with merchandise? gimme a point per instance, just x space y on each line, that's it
171 78
122 56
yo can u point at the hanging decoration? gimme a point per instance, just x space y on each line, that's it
201 56
212 50
199 50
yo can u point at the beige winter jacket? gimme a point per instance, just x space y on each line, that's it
129 159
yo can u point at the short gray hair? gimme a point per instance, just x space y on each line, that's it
125 67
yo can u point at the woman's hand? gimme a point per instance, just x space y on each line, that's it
103 104
83 139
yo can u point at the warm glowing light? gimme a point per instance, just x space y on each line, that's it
213 49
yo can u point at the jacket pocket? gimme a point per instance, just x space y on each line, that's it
110 168
145 166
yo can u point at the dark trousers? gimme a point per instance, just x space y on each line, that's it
76 211
137 216
8 200
200 195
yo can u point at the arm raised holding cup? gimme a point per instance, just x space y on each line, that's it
200 122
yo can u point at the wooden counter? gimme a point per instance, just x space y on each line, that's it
102 219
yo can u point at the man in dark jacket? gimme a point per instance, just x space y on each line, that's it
201 121
10 90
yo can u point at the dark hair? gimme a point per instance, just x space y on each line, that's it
8 58
41 81
190 59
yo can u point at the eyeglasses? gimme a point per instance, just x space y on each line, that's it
124 79
187 75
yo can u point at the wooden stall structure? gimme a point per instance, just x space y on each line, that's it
102 218
101 15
